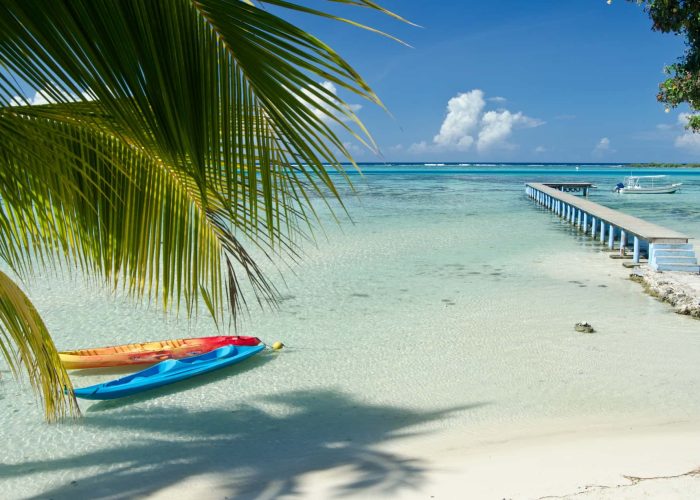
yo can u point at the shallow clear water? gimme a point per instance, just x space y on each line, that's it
448 306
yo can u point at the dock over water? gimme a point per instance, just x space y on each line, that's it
665 248
571 187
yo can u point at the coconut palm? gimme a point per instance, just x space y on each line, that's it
169 137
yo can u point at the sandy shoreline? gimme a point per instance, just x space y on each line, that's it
621 461
633 461
465 421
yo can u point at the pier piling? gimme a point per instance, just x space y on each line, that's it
666 249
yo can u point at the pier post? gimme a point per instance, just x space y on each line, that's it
576 213
623 241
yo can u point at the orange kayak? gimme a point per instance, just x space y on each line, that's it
149 352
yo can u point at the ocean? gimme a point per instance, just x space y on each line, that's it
443 305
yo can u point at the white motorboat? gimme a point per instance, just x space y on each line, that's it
647 184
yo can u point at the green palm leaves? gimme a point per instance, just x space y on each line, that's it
178 134
22 327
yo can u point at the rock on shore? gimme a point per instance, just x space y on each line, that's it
681 290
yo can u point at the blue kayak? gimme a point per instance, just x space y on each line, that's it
169 371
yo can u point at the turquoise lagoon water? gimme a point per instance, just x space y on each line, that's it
445 308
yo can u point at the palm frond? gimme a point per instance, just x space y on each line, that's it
22 327
83 197
184 139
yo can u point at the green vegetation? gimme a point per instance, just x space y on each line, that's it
174 136
681 17
664 165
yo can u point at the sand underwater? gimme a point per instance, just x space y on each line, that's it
430 346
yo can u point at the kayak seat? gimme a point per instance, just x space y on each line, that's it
166 365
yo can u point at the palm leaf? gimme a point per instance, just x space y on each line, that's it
182 140
22 327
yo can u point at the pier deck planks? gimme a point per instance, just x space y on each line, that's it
652 233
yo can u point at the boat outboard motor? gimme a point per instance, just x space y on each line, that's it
619 187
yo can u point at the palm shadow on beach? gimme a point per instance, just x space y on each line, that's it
256 454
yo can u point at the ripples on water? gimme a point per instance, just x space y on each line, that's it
448 306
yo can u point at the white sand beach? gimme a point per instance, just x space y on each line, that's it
635 461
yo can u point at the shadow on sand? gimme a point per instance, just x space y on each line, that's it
256 454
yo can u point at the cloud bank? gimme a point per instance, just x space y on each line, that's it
689 141
468 125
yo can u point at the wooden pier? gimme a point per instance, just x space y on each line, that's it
571 187
666 249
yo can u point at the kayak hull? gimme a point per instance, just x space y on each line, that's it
168 372
149 352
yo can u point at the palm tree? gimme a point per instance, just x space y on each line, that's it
174 136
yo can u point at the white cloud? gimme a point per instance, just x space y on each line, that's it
354 149
497 99
323 110
688 140
44 97
463 114
603 147
421 147
540 149
466 124
683 118
498 125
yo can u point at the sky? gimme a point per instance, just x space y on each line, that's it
512 80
